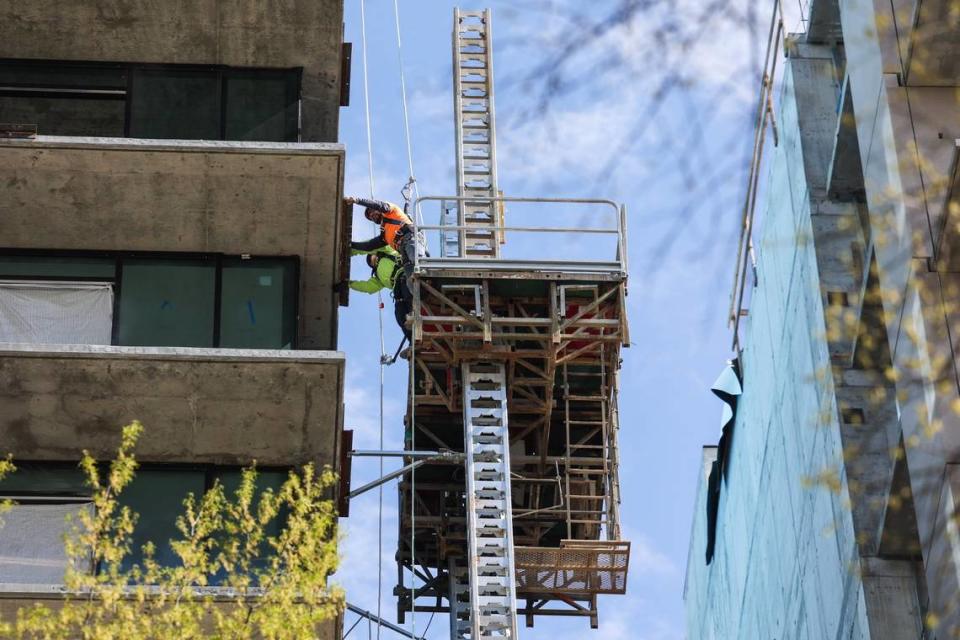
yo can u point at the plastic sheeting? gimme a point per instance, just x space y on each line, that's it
31 542
56 312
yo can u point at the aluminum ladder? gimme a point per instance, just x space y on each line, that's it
475 138
493 599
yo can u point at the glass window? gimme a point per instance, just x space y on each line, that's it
32 549
61 75
157 495
262 105
167 303
56 312
65 116
57 267
63 98
175 103
230 479
258 304
34 479
31 545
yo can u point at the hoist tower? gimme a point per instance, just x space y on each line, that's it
517 332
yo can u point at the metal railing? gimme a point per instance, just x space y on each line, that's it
618 261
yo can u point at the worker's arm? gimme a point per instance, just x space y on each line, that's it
370 285
384 250
376 205
368 246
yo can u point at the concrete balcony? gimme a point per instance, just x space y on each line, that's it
230 198
205 406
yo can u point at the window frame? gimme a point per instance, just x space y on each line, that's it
126 94
118 258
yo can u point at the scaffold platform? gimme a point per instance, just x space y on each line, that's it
556 328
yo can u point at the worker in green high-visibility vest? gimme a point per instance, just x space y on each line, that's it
385 267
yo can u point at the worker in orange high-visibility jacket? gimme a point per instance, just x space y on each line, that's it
396 231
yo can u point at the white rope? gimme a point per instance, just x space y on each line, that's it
406 116
366 108
366 94
412 370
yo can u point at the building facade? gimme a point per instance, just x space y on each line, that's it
831 504
171 229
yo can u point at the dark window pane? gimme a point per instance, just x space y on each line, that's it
63 98
65 116
257 304
262 105
157 495
167 303
265 480
61 75
175 103
56 267
49 480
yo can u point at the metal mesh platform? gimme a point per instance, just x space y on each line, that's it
577 566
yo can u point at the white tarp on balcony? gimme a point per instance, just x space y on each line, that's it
56 312
32 542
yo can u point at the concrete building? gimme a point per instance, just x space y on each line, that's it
169 242
835 489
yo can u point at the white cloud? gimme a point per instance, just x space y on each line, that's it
645 559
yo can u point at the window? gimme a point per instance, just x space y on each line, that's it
38 312
175 103
56 300
258 304
157 495
31 547
64 98
167 303
261 105
184 301
45 495
187 102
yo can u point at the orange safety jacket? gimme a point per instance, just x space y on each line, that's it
394 222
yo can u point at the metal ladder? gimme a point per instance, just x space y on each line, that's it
475 136
588 505
493 600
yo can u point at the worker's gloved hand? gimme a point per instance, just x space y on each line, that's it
353 245
349 200
341 286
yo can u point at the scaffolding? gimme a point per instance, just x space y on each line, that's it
513 381
556 328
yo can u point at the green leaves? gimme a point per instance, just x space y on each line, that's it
270 553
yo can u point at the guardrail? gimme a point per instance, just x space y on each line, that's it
618 261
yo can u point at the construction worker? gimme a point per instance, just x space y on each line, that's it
396 231
384 265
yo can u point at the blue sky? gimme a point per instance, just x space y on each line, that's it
662 128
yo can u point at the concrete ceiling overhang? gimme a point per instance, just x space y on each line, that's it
234 198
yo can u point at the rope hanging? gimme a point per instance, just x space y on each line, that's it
366 108
412 181
410 192
410 186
